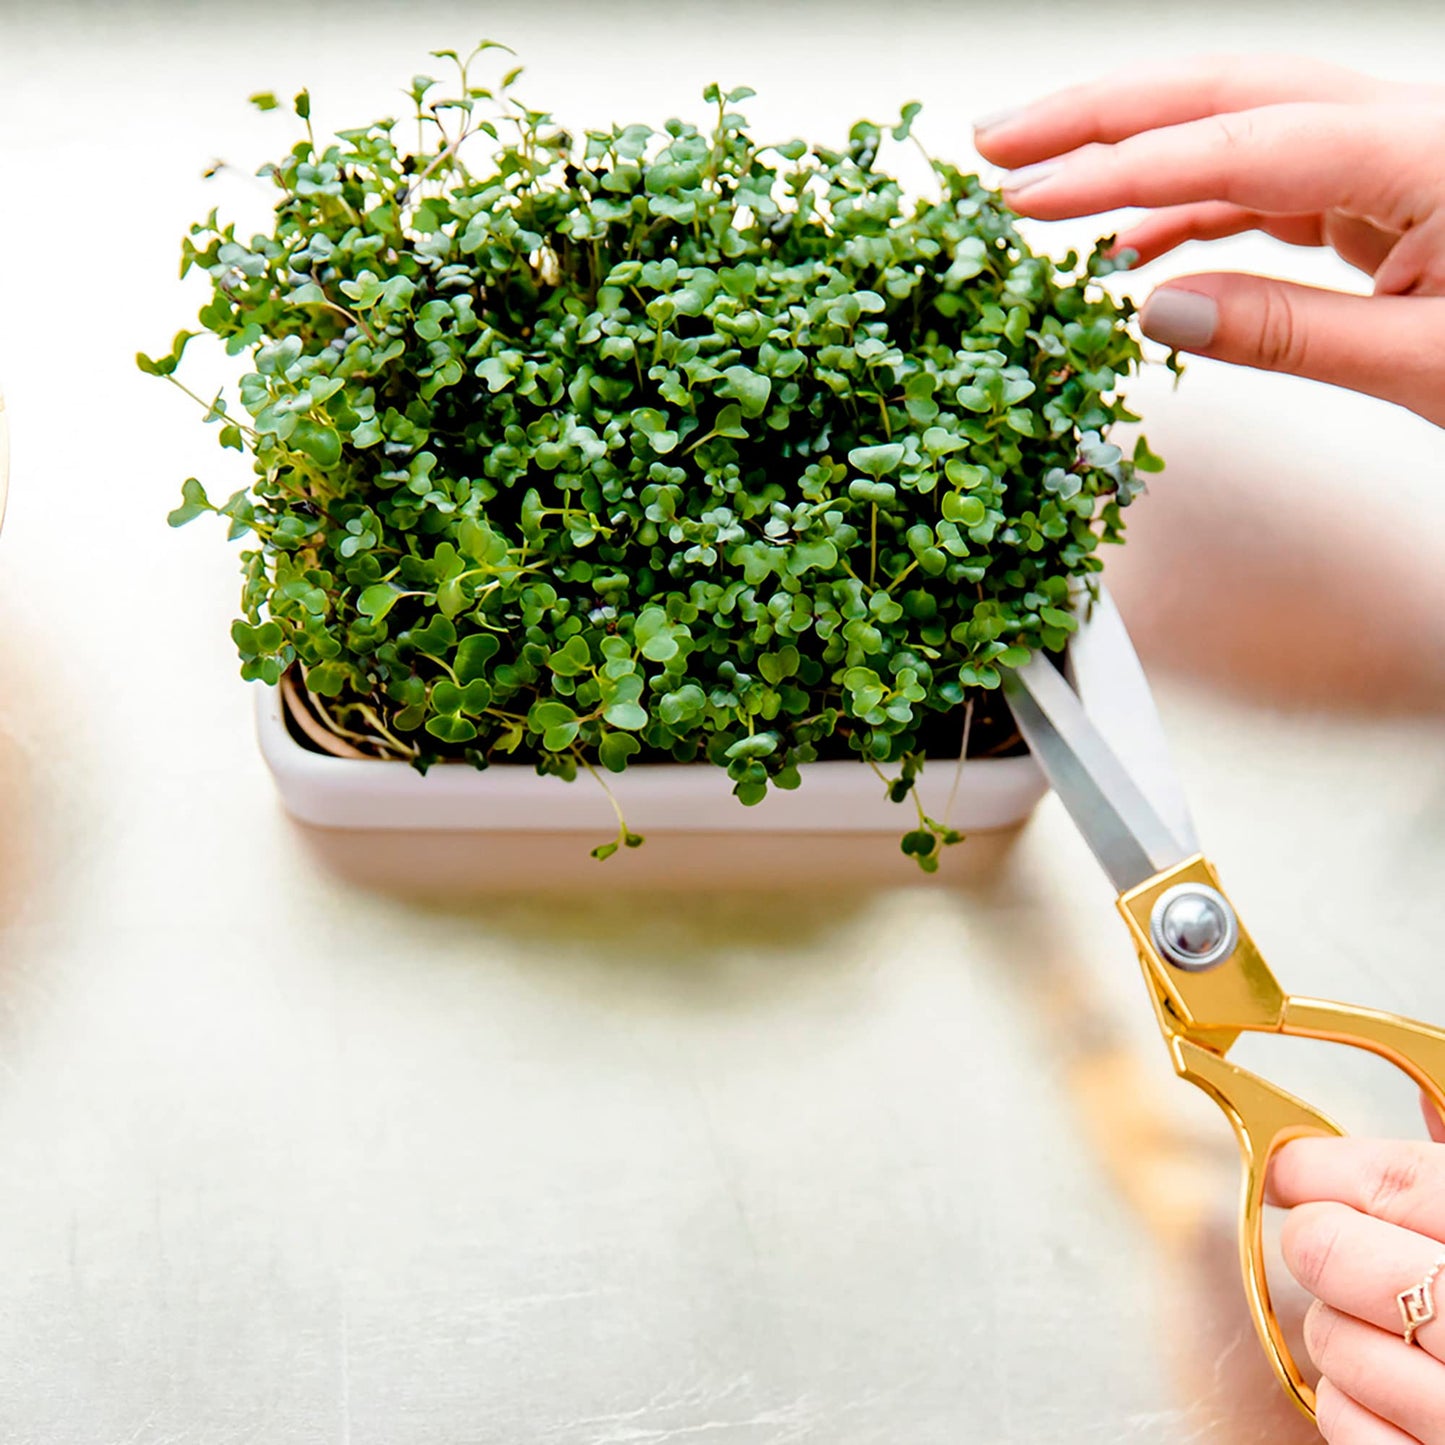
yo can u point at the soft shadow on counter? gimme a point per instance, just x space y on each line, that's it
705 923
537 873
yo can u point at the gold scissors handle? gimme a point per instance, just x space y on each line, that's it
1202 1010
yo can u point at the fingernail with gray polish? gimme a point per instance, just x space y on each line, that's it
1178 318
994 119
1029 176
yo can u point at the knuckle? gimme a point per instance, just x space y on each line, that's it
1282 344
1392 1179
1310 1239
1321 1325
1235 132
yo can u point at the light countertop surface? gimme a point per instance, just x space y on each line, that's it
290 1153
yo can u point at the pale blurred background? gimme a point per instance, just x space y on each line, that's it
290 1157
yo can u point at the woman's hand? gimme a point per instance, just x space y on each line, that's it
1367 1222
1311 154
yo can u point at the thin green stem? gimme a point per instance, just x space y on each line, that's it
932 164
962 759
449 152
881 775
209 406
918 808
404 748
329 305
341 731
601 783
625 837
904 573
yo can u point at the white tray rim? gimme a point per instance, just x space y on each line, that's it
842 796
835 797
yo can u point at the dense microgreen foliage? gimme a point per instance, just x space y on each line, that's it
654 445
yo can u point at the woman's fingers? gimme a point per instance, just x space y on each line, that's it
1360 1266
1416 267
1364 246
1399 1181
1161 231
1124 105
1343 1421
1376 1370
1285 159
1387 346
1368 1225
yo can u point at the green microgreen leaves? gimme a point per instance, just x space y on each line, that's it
751 390
622 702
877 461
653 444
194 503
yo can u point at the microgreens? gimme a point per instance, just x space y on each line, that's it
653 445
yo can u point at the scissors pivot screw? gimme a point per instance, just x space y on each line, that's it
1193 926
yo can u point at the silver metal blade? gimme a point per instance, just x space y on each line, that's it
1105 672
1119 823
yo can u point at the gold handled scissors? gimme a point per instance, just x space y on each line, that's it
1101 747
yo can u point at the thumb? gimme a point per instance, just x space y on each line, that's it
1388 346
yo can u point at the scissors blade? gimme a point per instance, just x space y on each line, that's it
1109 679
1121 825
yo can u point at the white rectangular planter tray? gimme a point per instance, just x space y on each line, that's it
655 797
835 797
